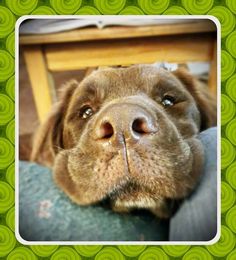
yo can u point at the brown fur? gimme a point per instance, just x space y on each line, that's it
159 158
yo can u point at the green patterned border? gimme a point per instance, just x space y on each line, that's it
225 11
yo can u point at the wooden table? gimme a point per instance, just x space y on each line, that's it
93 47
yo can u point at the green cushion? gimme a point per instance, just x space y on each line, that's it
47 214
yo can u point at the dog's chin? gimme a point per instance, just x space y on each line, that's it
129 197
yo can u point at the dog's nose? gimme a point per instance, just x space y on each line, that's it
138 126
124 121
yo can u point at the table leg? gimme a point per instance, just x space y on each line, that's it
38 74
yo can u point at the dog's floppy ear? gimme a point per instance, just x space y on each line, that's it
206 103
48 139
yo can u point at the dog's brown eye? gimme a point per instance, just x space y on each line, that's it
168 101
86 112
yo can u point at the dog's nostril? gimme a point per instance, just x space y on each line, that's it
107 130
140 125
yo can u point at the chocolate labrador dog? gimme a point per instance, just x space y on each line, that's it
127 135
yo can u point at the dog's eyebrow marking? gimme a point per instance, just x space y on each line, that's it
93 89
87 93
168 84
90 88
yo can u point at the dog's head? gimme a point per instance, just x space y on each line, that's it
127 134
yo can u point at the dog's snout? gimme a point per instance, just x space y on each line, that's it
126 121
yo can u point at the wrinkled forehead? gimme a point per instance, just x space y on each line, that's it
132 74
127 81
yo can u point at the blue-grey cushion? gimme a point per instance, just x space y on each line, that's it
196 220
47 214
